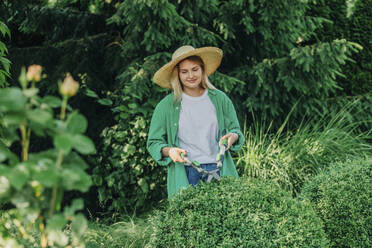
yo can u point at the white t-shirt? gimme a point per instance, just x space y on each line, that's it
198 128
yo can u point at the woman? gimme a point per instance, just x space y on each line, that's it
192 118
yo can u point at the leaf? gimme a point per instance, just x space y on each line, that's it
144 185
20 201
4 187
79 225
76 123
76 179
91 93
31 92
105 101
45 172
129 149
83 144
6 64
132 105
18 176
8 136
52 101
4 29
57 222
12 99
77 204
63 142
59 237
39 116
4 152
74 160
14 118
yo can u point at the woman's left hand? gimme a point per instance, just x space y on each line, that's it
231 139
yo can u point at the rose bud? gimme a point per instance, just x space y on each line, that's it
69 87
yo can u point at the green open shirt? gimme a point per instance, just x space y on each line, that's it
164 129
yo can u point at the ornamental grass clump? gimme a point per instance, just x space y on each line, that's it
342 197
291 156
237 213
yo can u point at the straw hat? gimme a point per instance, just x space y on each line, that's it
211 57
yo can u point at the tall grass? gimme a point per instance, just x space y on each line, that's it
290 156
130 232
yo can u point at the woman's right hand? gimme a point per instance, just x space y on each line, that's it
175 154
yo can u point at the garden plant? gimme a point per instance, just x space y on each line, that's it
33 184
237 213
342 196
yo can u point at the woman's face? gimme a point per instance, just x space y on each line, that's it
190 74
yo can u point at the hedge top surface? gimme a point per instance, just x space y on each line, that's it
235 213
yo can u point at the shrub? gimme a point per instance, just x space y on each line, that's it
343 199
233 213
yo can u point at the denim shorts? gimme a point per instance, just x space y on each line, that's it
194 176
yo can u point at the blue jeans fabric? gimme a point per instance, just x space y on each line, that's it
194 176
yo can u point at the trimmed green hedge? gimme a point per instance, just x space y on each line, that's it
233 213
343 199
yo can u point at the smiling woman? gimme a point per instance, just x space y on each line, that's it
192 119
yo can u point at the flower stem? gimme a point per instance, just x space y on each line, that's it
25 134
63 108
52 205
55 187
43 238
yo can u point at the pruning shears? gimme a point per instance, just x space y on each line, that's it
219 159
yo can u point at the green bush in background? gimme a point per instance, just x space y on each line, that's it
354 25
342 197
233 213
126 176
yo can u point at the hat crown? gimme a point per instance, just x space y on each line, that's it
182 50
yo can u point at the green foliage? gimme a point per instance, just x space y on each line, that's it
233 213
355 27
291 156
34 184
127 178
308 73
4 62
265 70
342 197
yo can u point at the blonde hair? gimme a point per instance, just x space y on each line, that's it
175 80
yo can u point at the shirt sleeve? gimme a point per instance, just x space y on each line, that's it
157 135
232 124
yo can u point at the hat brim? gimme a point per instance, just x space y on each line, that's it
211 57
